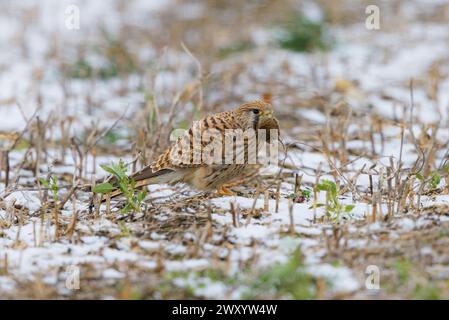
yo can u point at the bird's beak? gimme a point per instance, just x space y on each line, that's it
268 122
267 114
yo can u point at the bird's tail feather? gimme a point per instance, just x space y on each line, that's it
147 173
147 177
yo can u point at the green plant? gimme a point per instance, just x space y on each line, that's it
167 284
126 185
445 168
235 48
81 69
151 118
302 196
403 268
333 206
52 185
433 181
302 34
124 230
413 280
307 193
112 136
22 144
287 279
428 291
118 59
282 280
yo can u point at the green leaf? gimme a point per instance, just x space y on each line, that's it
327 185
349 207
118 173
319 205
306 192
446 168
44 182
434 180
107 169
117 170
105 187
141 196
123 187
54 186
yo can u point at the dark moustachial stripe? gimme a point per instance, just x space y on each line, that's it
256 122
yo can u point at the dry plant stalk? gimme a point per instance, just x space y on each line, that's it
253 207
291 228
235 212
266 203
278 188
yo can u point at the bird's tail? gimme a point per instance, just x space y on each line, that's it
145 177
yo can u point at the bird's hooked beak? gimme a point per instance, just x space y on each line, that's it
268 121
267 114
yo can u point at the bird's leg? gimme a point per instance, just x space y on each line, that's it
224 191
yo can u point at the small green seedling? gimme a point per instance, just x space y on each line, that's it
303 35
433 181
333 206
52 185
126 185
302 196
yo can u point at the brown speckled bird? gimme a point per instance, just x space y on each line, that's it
169 168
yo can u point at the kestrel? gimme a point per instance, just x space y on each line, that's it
192 167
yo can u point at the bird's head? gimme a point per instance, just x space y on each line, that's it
256 115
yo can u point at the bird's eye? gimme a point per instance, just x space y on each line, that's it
256 111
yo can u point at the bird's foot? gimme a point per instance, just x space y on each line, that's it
224 191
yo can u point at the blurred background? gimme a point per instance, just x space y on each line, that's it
73 56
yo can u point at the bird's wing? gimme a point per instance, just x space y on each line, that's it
187 151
